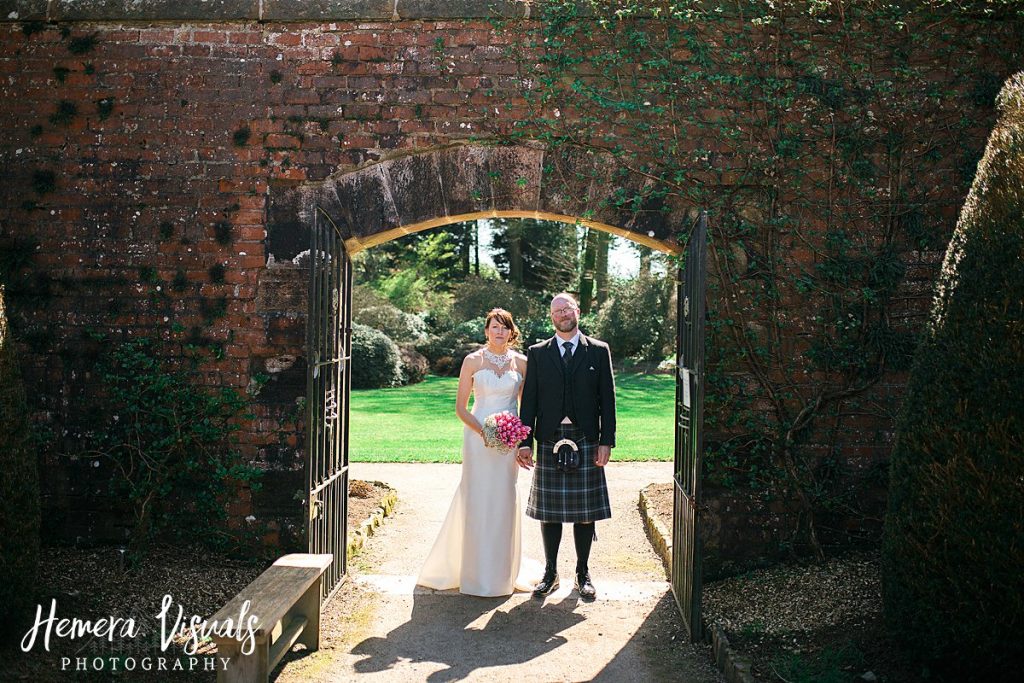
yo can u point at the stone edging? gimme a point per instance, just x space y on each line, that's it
733 665
658 534
357 537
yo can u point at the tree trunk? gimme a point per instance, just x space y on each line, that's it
587 271
645 259
467 238
515 252
138 541
476 248
604 244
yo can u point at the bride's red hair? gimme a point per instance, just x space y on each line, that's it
505 318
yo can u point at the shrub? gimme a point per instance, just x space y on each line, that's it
637 321
537 328
476 296
171 444
953 546
376 362
19 493
445 351
393 322
415 365
364 296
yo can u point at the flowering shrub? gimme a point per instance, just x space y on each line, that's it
392 321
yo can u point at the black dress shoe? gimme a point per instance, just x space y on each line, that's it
546 585
585 587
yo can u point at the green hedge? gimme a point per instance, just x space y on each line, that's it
376 361
19 494
953 550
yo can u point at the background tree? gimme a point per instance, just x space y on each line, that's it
414 271
538 255
954 534
646 254
638 321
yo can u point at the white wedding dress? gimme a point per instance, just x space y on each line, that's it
478 548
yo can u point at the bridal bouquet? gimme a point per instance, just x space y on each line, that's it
504 431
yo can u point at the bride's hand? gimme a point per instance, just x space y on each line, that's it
524 458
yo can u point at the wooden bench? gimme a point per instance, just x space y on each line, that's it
285 601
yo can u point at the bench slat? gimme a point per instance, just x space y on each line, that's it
275 591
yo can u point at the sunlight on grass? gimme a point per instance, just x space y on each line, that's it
418 423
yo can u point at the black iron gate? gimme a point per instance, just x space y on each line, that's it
328 336
686 542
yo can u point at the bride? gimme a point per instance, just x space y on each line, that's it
478 548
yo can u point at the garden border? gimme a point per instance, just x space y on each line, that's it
357 537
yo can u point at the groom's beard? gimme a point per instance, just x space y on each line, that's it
565 326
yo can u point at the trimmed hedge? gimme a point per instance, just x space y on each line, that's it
19 494
376 361
953 549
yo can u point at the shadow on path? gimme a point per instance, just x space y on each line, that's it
663 645
467 633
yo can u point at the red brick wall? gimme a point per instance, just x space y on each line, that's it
167 185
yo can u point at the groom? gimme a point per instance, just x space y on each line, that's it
569 393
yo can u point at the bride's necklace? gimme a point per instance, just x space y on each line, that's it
498 360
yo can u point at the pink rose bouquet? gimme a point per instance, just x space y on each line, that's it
504 431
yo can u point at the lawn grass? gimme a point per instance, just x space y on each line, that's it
418 423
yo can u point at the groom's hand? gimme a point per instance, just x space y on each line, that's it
604 454
525 458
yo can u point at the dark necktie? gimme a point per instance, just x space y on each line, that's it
567 356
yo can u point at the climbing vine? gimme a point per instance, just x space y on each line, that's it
831 156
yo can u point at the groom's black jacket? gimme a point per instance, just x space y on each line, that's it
586 395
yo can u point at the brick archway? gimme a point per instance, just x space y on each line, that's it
406 194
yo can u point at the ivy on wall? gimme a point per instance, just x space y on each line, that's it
832 143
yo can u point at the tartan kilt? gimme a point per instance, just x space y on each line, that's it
580 496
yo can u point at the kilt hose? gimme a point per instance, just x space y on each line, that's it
580 496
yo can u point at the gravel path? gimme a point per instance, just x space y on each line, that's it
381 627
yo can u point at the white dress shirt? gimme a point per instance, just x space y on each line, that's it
575 341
